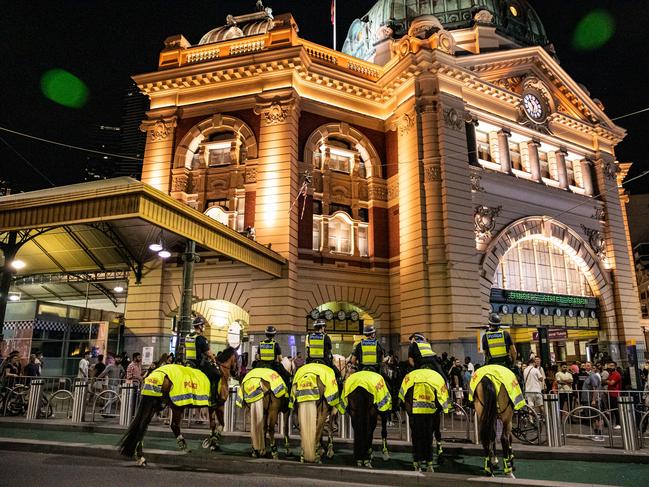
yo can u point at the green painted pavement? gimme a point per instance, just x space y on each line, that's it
627 474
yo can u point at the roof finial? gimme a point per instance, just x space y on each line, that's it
260 6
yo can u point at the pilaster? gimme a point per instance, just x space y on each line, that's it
158 152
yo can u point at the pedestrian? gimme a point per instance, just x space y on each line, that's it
564 383
456 376
534 386
614 387
84 366
99 367
469 366
299 360
590 397
10 369
134 370
32 369
40 362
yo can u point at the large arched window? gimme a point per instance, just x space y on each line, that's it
341 234
538 265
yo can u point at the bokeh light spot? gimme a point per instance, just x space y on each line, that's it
64 88
594 30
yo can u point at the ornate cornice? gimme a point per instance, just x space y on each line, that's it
275 110
159 129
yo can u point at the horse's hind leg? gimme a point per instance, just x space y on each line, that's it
385 418
506 441
212 441
176 419
273 414
437 432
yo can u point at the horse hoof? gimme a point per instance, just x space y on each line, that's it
275 456
206 443
141 462
386 456
301 458
368 464
214 448
511 475
330 453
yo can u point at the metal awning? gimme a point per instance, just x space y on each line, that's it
100 231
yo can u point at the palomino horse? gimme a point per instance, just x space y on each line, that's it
265 410
491 406
131 443
364 414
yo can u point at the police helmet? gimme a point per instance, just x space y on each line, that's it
271 330
198 322
417 336
494 319
319 323
369 330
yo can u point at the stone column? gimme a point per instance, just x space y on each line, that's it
159 151
587 176
562 170
503 149
533 156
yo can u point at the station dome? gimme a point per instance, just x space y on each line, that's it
515 19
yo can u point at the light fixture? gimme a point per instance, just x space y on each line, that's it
156 247
164 254
14 296
118 289
18 264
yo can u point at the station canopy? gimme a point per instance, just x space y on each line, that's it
84 240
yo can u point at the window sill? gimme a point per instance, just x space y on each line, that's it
551 182
577 190
490 165
522 174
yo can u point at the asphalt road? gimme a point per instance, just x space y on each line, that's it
38 469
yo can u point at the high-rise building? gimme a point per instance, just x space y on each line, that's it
443 166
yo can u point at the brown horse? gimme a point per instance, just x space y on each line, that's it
490 407
131 443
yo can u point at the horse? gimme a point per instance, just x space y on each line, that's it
491 406
364 414
131 443
265 410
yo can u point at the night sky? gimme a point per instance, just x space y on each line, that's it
104 42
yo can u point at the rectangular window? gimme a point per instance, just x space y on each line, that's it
339 162
482 146
317 207
240 213
219 156
571 173
340 236
362 241
363 215
558 263
515 156
545 166
317 223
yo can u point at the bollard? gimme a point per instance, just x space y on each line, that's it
347 431
80 389
627 422
553 419
35 391
408 432
476 429
127 393
229 412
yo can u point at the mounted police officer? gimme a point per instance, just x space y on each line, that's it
270 355
422 356
499 348
199 355
318 347
368 353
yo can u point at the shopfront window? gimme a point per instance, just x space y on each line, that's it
540 266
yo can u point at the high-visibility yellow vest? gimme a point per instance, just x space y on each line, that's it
500 376
372 383
368 352
425 350
267 350
496 343
316 345
429 391
190 346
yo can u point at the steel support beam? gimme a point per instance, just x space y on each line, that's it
190 257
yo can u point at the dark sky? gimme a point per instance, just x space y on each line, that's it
104 42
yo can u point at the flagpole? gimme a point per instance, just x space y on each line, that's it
333 16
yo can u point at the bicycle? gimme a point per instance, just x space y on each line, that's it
527 426
13 400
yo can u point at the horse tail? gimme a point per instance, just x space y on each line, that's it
489 413
360 402
137 429
257 432
307 414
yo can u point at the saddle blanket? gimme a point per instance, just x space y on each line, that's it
189 387
372 383
500 377
305 385
429 391
251 390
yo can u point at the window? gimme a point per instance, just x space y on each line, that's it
363 215
317 224
333 208
515 156
544 164
538 265
240 213
340 234
317 207
339 162
482 146
219 214
363 248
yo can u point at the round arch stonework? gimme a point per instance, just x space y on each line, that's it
557 233
348 133
202 130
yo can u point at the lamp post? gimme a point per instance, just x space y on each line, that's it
189 258
9 249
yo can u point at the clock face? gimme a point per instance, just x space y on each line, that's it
533 106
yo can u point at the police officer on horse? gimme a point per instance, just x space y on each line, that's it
422 356
318 348
199 356
498 346
270 355
368 353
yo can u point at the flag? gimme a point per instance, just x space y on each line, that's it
333 12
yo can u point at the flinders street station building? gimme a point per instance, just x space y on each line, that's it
441 166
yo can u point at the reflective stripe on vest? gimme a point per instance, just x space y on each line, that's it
267 350
425 350
316 345
190 346
496 344
368 352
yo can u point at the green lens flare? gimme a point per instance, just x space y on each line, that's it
594 30
64 88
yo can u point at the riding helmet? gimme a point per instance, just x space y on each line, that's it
369 330
271 330
417 336
198 321
494 319
319 323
